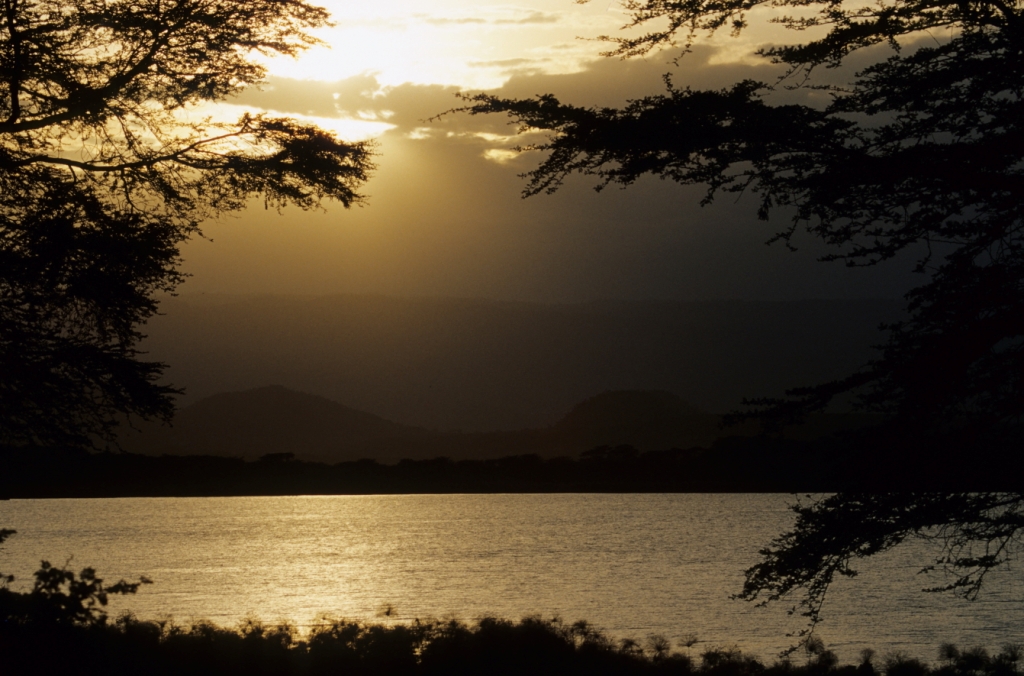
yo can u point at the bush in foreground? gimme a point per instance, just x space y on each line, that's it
61 627
450 647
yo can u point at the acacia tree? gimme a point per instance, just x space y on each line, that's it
975 533
923 151
107 165
924 147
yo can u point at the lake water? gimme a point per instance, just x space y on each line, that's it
631 564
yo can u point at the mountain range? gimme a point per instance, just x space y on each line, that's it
478 365
275 420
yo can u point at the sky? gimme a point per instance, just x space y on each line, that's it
444 215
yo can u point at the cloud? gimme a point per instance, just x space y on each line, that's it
418 112
444 21
532 18
415 110
444 216
312 97
500 155
504 63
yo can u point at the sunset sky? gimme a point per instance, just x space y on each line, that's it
444 216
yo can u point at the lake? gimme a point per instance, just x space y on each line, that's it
631 564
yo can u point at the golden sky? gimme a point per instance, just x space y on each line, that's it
467 45
444 216
477 45
454 42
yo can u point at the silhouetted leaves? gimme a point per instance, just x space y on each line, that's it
105 169
533 645
59 597
978 532
923 150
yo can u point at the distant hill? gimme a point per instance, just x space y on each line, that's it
273 419
276 420
645 419
480 365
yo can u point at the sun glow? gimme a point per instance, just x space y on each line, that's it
476 45
380 46
352 129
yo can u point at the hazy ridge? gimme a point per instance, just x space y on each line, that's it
275 420
479 365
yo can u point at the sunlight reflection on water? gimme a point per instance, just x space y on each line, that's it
630 564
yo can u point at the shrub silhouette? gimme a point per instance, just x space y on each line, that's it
61 627
899 664
60 597
978 662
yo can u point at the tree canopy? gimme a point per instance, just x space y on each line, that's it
922 150
975 532
108 164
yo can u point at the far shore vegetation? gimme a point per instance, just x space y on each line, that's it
733 464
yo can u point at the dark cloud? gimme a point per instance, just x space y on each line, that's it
604 82
442 219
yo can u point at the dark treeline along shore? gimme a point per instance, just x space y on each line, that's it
274 441
731 464
68 611
274 419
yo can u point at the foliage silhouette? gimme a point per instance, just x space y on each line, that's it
68 611
920 150
59 597
978 532
5 579
105 169
920 153
491 645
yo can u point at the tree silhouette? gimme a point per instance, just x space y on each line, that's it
922 150
976 533
107 165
